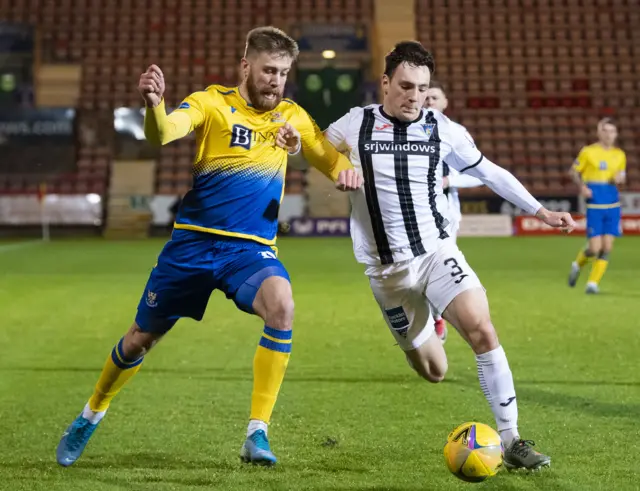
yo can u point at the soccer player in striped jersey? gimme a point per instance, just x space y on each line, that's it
399 223
225 231
598 170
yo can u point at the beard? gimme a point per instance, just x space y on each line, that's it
259 98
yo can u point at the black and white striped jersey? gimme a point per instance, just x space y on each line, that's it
401 211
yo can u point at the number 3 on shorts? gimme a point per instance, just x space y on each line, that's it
456 270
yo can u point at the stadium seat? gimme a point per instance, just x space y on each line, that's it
505 60
548 69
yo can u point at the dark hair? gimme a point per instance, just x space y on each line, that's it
434 84
410 52
271 40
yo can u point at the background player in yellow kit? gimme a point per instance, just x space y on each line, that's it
226 227
599 170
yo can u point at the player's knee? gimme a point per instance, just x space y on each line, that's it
436 371
482 335
137 343
280 313
431 370
604 253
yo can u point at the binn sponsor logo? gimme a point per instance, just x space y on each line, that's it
244 137
408 147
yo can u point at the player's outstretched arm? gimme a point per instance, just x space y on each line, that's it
160 128
467 158
503 183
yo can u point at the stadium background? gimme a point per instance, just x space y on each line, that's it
529 78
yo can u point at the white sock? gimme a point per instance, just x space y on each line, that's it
255 425
92 416
508 436
496 383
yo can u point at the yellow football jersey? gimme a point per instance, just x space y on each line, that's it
598 168
239 172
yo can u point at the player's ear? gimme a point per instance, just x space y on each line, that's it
386 81
244 67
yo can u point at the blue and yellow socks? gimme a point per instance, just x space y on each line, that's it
598 268
583 257
269 366
117 371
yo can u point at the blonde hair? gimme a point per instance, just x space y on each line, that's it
271 40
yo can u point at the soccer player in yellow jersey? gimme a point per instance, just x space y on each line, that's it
225 231
599 170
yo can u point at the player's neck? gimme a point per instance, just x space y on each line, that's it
388 113
606 147
244 93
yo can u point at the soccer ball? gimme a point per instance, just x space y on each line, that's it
473 452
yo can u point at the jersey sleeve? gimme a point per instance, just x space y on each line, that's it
580 164
160 128
336 133
319 150
457 180
465 155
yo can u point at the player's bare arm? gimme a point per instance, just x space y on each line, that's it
577 179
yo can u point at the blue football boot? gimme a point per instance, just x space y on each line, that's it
74 439
256 450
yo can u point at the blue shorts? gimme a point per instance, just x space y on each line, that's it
192 265
605 221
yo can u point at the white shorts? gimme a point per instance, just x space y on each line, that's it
404 290
453 228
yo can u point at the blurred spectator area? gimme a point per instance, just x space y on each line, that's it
529 78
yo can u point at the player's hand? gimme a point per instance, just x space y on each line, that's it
619 179
586 192
445 182
349 180
557 219
288 138
151 86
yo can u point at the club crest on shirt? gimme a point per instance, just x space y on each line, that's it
152 299
428 129
276 117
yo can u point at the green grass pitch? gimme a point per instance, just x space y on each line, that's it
351 414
